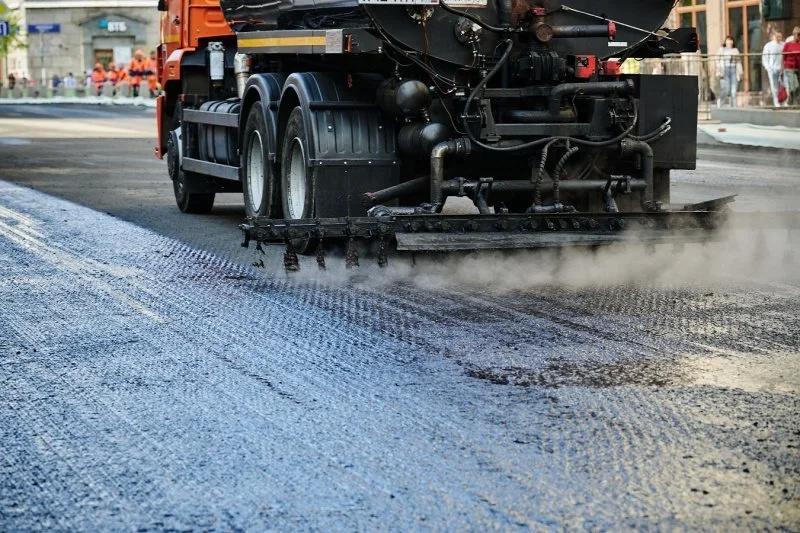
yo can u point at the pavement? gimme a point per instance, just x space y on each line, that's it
151 378
749 136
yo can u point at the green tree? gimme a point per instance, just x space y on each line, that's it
14 39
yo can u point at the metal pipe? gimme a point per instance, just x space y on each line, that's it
241 70
590 88
453 187
641 148
538 117
407 188
459 146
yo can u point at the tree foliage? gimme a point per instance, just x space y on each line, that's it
14 39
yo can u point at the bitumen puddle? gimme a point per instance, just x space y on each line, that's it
146 384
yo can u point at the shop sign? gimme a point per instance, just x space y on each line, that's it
113 26
44 28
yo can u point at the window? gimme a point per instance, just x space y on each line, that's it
692 14
777 9
744 25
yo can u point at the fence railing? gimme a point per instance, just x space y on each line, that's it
719 77
108 90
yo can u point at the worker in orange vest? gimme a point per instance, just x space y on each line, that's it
137 69
112 74
122 74
152 79
98 76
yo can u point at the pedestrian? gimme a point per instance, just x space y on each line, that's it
729 71
69 81
56 81
113 73
791 67
152 78
137 69
772 59
12 81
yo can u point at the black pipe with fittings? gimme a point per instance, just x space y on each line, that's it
383 196
460 147
643 150
597 88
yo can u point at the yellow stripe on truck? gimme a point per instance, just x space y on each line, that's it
266 42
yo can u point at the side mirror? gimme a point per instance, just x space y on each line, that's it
162 5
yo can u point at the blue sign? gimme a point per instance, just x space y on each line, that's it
44 28
5 28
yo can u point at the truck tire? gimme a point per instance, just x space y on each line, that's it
297 175
188 202
191 202
258 176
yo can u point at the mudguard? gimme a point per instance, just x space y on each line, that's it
352 143
265 88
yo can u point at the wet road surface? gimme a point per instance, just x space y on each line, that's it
151 378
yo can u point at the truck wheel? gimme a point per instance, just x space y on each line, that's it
191 202
187 202
297 175
258 183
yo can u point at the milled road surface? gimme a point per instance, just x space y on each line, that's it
150 378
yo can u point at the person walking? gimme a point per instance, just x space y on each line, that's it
729 71
791 67
772 60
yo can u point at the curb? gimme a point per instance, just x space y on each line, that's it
107 101
708 142
751 149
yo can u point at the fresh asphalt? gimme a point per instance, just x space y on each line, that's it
151 378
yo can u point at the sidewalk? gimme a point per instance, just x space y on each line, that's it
789 117
749 136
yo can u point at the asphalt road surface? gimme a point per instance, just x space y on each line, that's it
151 378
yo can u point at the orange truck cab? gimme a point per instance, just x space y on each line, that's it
184 25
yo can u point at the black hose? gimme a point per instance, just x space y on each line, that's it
478 21
560 170
537 193
539 142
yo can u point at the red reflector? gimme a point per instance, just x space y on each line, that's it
612 67
585 67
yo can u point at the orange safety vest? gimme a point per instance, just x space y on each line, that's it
152 79
136 70
98 78
122 75
113 76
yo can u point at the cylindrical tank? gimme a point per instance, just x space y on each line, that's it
433 31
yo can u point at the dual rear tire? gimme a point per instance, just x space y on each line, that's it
288 193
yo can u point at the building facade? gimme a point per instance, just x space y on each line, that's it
749 22
64 36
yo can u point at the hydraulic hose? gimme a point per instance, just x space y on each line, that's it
562 163
478 21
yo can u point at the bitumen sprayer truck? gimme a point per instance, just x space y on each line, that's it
357 120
